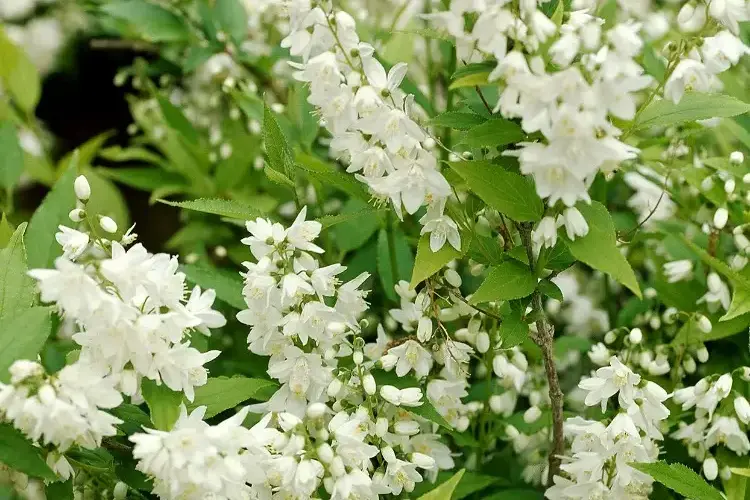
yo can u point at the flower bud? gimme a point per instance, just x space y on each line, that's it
391 394
120 491
635 336
483 342
406 427
334 387
729 186
369 385
381 427
325 453
746 178
316 410
388 361
721 216
108 224
82 188
423 461
411 396
689 364
453 278
358 357
707 183
532 415
424 329
691 17
702 354
77 215
736 157
610 337
742 408
710 468
704 324
745 374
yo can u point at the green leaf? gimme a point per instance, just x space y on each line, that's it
427 411
598 248
42 248
60 490
513 331
445 490
494 133
354 232
509 193
143 178
18 75
428 262
133 418
681 479
98 460
153 22
23 336
6 231
232 209
163 403
17 289
689 333
457 120
327 175
177 121
232 18
329 221
395 259
223 393
506 281
549 289
18 453
693 106
280 154
652 63
471 75
11 156
279 178
227 284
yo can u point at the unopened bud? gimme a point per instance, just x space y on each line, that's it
82 188
736 157
704 324
108 224
77 215
721 216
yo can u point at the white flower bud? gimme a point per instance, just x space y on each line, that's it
453 278
334 387
47 394
532 415
120 491
337 467
381 427
77 215
462 424
725 473
742 408
745 375
535 398
707 183
635 336
287 421
721 216
108 224
388 361
729 186
411 396
325 453
369 385
82 188
391 394
689 364
704 324
610 337
650 293
736 157
423 461
702 354
746 178
424 329
691 17
220 251
358 357
483 342
406 427
316 410
710 468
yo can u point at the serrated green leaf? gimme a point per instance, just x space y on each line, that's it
19 454
598 248
679 478
494 133
6 231
153 22
41 246
11 156
328 176
18 75
278 150
471 75
693 106
510 193
513 331
232 209
506 281
227 284
133 418
163 403
428 262
445 490
17 289
23 336
457 120
223 393
329 221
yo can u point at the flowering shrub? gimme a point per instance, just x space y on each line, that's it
426 249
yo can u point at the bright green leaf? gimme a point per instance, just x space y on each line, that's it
18 74
445 490
679 478
280 154
6 231
598 248
11 156
232 18
153 22
18 453
23 336
513 331
223 393
232 209
227 284
457 120
163 403
509 193
494 133
507 281
428 262
17 289
693 106
354 232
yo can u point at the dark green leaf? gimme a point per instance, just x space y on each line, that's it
280 155
328 176
353 233
513 331
226 284
177 121
232 18
18 453
395 259
457 120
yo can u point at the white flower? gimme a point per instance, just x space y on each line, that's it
575 224
688 75
545 234
726 431
301 233
74 242
441 228
412 356
610 380
691 17
678 270
730 13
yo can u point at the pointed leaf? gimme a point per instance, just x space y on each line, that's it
506 281
445 490
693 106
163 403
226 208
681 479
223 393
23 336
18 453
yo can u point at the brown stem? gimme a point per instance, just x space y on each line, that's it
544 338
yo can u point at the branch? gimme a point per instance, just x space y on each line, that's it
544 338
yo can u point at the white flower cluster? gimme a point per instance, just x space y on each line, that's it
595 80
728 426
128 306
369 116
601 454
716 53
63 409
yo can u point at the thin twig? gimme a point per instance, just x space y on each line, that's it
484 101
133 45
